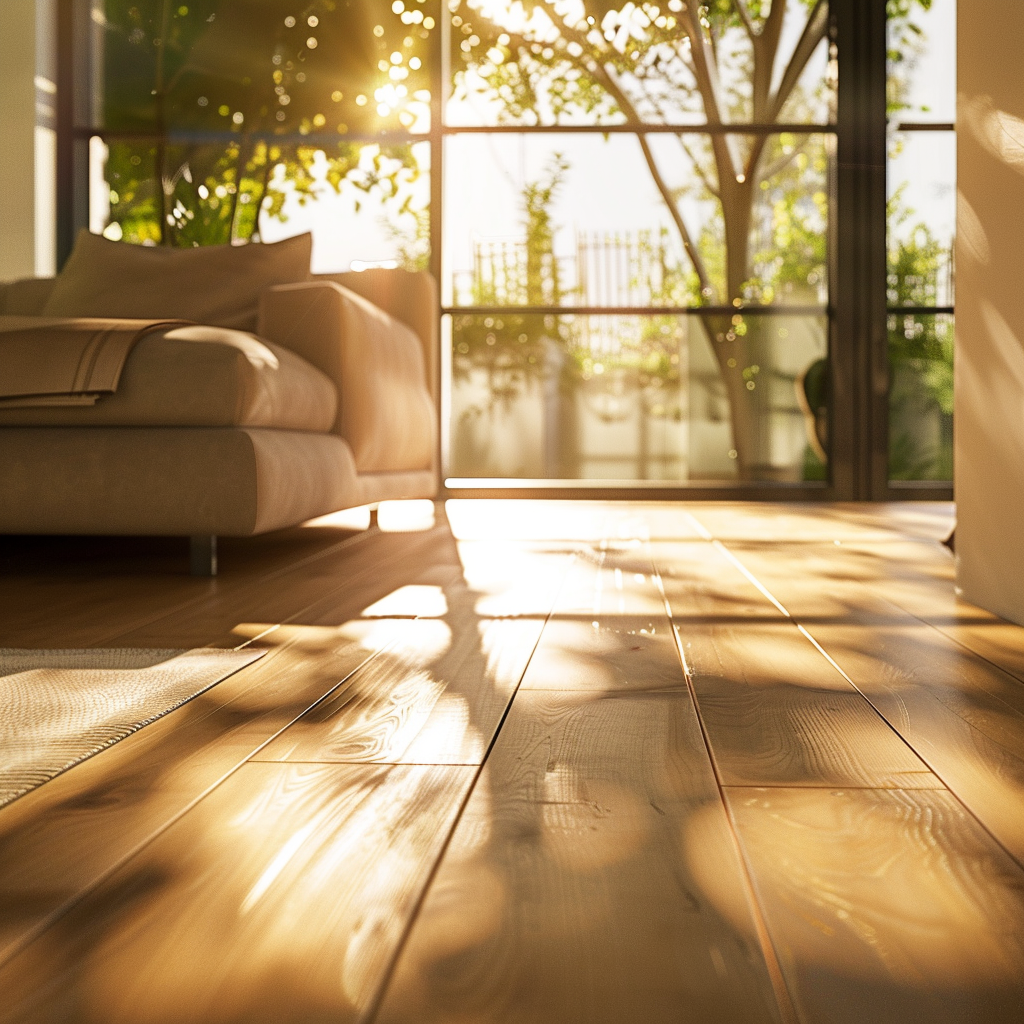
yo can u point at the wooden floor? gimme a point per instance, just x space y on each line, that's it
533 762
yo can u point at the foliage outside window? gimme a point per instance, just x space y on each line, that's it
219 113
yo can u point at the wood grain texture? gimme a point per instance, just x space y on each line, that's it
58 841
961 713
438 693
594 875
435 696
325 589
886 906
591 879
775 710
101 588
279 898
920 578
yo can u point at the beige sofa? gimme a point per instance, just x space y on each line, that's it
330 403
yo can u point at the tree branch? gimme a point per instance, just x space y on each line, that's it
784 161
704 179
766 51
677 219
748 23
812 35
705 71
771 31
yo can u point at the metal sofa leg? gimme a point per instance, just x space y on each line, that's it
202 555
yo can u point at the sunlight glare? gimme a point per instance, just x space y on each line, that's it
410 602
405 516
347 519
277 865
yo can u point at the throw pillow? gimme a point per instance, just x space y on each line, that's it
218 285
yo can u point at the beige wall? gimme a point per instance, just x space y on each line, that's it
989 418
27 146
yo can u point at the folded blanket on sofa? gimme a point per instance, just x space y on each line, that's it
46 361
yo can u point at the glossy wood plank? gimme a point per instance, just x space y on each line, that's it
593 878
920 578
775 710
435 697
110 805
594 875
60 839
340 585
281 898
962 714
886 906
609 630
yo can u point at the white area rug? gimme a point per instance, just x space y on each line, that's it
58 707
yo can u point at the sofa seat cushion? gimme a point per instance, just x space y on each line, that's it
203 377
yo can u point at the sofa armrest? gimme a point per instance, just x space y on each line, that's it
26 297
407 295
386 411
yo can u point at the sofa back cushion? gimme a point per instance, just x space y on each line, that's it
217 285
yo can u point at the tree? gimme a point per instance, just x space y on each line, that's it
720 60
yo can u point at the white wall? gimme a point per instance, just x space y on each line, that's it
27 140
989 415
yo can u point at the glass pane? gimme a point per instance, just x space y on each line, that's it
922 63
652 397
365 204
922 218
270 67
921 397
593 62
587 220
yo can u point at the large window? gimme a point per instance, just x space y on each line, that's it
632 209
921 225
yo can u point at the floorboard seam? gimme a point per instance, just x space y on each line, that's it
783 997
374 1005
